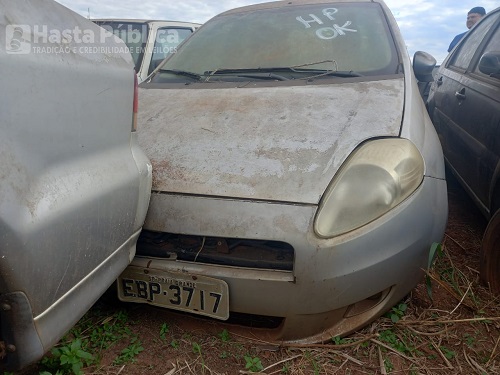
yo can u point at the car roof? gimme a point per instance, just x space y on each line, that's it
288 3
137 20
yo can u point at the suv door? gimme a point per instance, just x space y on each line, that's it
483 106
465 107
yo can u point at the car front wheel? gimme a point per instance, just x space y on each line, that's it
490 254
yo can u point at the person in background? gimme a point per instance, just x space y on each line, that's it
474 15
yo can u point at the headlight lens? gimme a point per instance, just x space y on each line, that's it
377 176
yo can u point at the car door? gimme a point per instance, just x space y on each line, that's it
482 104
466 110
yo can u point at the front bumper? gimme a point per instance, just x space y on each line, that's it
337 285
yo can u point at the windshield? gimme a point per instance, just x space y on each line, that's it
133 34
341 37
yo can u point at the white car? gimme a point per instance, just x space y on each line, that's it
149 41
74 183
296 173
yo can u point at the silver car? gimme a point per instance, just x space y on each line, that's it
296 173
74 184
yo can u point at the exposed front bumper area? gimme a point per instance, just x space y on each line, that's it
336 286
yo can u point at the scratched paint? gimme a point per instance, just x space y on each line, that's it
273 143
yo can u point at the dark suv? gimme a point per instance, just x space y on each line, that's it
464 104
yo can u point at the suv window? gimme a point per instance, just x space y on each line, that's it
462 58
347 37
492 45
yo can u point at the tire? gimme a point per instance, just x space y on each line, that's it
490 254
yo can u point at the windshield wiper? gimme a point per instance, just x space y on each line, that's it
258 73
326 72
183 73
270 73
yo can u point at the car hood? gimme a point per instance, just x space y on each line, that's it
280 143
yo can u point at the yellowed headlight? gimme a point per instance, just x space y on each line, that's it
377 177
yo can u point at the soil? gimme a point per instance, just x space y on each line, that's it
455 332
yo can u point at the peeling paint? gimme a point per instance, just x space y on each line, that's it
243 142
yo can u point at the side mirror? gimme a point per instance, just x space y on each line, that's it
490 64
423 66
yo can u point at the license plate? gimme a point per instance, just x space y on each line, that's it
192 293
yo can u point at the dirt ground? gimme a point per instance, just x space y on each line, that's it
457 332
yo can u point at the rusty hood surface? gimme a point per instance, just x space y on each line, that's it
280 143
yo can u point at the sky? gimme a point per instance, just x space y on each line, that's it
426 25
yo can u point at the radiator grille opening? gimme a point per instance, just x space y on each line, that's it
260 254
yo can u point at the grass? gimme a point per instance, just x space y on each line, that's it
84 345
68 359
253 364
129 353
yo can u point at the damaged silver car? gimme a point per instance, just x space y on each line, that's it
74 183
296 173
